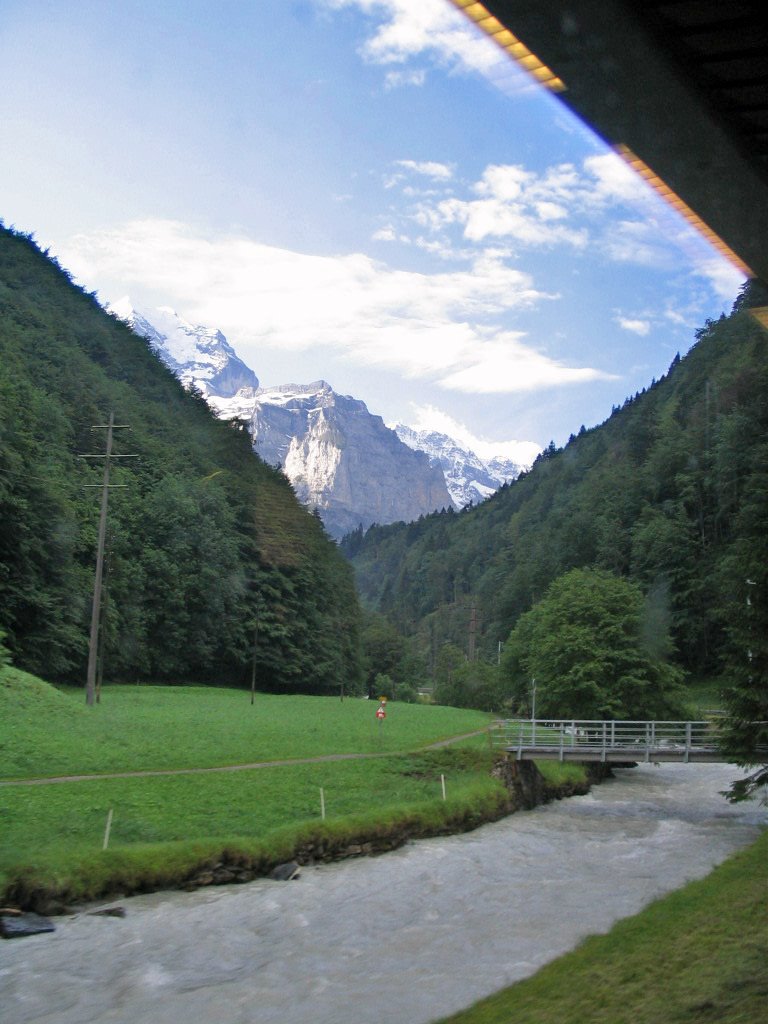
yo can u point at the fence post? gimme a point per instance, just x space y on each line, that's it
687 741
107 830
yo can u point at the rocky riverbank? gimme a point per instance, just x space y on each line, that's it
320 842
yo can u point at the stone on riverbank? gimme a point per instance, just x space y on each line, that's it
19 926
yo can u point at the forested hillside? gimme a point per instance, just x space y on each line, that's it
208 548
669 493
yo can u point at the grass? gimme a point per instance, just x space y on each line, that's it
703 695
53 833
49 732
68 816
695 956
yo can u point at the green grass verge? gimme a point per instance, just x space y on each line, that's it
50 732
697 955
164 829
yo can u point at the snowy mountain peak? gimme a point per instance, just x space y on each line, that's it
339 457
469 478
196 353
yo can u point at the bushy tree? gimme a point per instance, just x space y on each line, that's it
591 645
387 652
745 573
461 683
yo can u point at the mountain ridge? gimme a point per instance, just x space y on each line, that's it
469 478
318 436
341 459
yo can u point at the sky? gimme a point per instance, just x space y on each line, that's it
363 191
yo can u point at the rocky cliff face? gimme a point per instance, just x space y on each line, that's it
340 459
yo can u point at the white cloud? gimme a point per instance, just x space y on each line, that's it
397 79
428 417
512 203
616 181
387 234
604 207
638 242
439 327
503 365
431 30
641 327
405 30
723 277
429 168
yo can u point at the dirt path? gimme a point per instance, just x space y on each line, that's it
49 780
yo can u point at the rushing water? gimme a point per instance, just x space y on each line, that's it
399 939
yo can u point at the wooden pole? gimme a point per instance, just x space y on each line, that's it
93 646
107 830
253 661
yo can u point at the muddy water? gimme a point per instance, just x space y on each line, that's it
399 939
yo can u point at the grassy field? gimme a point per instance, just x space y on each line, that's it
53 820
49 732
163 825
696 956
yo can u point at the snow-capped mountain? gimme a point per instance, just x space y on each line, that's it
468 477
339 457
198 355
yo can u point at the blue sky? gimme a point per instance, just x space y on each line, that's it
361 190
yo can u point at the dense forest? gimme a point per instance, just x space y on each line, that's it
209 555
668 494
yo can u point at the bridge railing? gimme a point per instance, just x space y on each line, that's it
568 737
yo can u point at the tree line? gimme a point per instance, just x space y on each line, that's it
667 497
212 565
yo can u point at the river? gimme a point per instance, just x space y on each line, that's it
403 938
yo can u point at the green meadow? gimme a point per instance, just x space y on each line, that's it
49 732
165 826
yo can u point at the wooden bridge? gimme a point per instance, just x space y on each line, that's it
575 740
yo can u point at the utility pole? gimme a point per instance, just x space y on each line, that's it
472 632
93 645
253 660
102 622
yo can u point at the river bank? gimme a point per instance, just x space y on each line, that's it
57 888
413 936
699 954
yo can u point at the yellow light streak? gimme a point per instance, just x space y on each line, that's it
534 67
511 45
673 199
